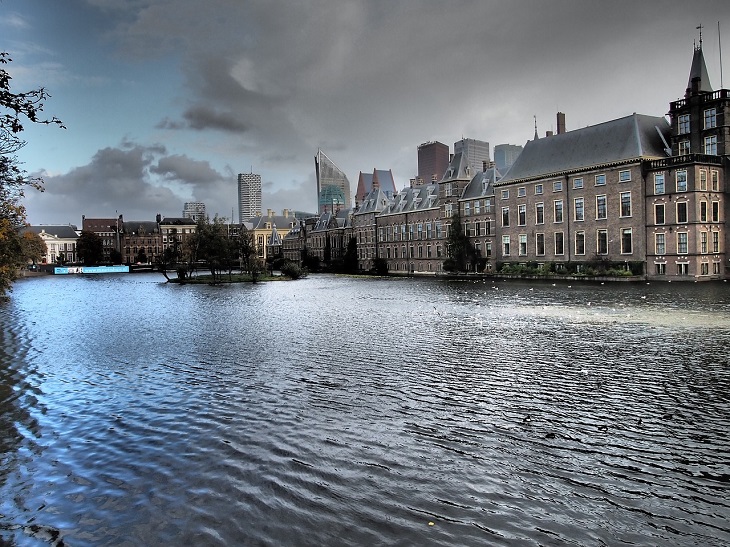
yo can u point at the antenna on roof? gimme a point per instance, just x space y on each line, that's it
719 45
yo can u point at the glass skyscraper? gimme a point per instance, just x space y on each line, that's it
333 187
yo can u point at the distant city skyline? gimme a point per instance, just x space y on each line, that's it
157 117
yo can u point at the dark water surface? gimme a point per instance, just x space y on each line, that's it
337 411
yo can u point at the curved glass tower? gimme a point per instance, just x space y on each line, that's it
333 187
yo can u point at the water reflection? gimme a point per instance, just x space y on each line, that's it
339 411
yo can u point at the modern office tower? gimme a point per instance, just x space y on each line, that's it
433 159
476 153
194 210
249 196
505 155
333 187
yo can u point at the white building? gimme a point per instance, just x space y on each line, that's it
194 210
249 196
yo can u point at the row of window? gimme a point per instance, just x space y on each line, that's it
599 180
558 242
682 216
705 246
579 210
680 177
410 232
710 121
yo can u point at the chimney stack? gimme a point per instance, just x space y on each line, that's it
561 123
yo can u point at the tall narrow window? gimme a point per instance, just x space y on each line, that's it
682 243
658 183
580 243
540 244
579 208
681 180
539 213
538 189
559 247
626 241
523 244
521 214
710 118
682 212
625 204
715 211
703 211
659 213
505 245
714 178
683 124
660 246
683 148
602 242
558 210
601 210
715 242
505 216
703 242
711 145
703 180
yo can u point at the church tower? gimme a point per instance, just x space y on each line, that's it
701 121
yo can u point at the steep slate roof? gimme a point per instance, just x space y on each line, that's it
699 70
458 169
259 222
413 199
375 201
274 238
136 227
380 178
613 142
482 184
64 231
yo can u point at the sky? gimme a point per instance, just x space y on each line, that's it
166 101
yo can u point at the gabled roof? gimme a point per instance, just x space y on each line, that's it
259 222
136 227
415 198
482 184
375 201
458 168
178 221
63 231
614 142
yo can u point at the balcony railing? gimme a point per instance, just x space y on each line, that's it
704 98
675 161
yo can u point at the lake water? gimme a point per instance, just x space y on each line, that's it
341 411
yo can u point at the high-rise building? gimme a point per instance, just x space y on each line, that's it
505 155
333 186
249 196
476 153
433 159
194 210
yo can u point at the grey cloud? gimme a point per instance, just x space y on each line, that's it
202 117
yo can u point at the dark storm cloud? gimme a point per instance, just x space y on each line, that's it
201 117
264 84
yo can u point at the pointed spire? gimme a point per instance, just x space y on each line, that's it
536 137
699 79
